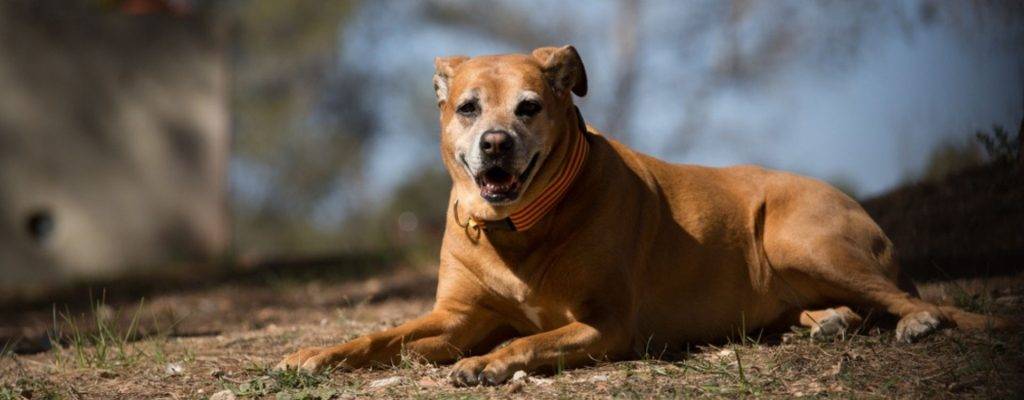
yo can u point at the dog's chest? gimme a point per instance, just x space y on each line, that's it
532 316
526 308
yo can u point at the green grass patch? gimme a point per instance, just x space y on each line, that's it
104 344
30 388
287 384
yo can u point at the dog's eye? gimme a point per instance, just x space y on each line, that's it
468 108
528 108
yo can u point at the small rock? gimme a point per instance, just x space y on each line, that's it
598 378
223 395
174 369
386 382
519 376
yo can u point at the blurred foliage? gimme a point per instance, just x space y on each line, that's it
997 146
413 218
299 124
951 157
1000 146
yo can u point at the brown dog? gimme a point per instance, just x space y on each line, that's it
580 249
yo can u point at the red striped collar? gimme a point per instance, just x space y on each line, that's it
527 216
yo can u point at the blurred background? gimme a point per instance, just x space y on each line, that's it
141 136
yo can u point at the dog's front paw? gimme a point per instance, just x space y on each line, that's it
310 359
481 371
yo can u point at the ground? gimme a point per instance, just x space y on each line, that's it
185 344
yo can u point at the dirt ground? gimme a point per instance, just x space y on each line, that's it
221 341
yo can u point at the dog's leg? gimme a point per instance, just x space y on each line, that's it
829 323
571 345
848 275
824 249
442 335
919 318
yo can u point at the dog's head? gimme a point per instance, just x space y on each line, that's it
504 122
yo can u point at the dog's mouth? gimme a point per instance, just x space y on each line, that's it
499 185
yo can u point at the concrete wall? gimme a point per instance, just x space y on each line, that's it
113 142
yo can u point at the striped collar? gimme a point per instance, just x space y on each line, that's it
527 216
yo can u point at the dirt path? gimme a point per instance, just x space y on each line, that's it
226 337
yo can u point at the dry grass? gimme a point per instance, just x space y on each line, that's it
121 361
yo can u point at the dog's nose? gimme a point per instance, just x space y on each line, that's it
496 143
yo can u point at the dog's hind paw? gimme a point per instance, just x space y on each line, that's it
913 327
829 327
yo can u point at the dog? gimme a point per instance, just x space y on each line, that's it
568 247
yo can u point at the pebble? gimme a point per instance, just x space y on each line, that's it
174 369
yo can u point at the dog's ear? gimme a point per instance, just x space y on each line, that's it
444 68
563 68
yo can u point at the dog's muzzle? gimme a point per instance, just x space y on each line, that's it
500 174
